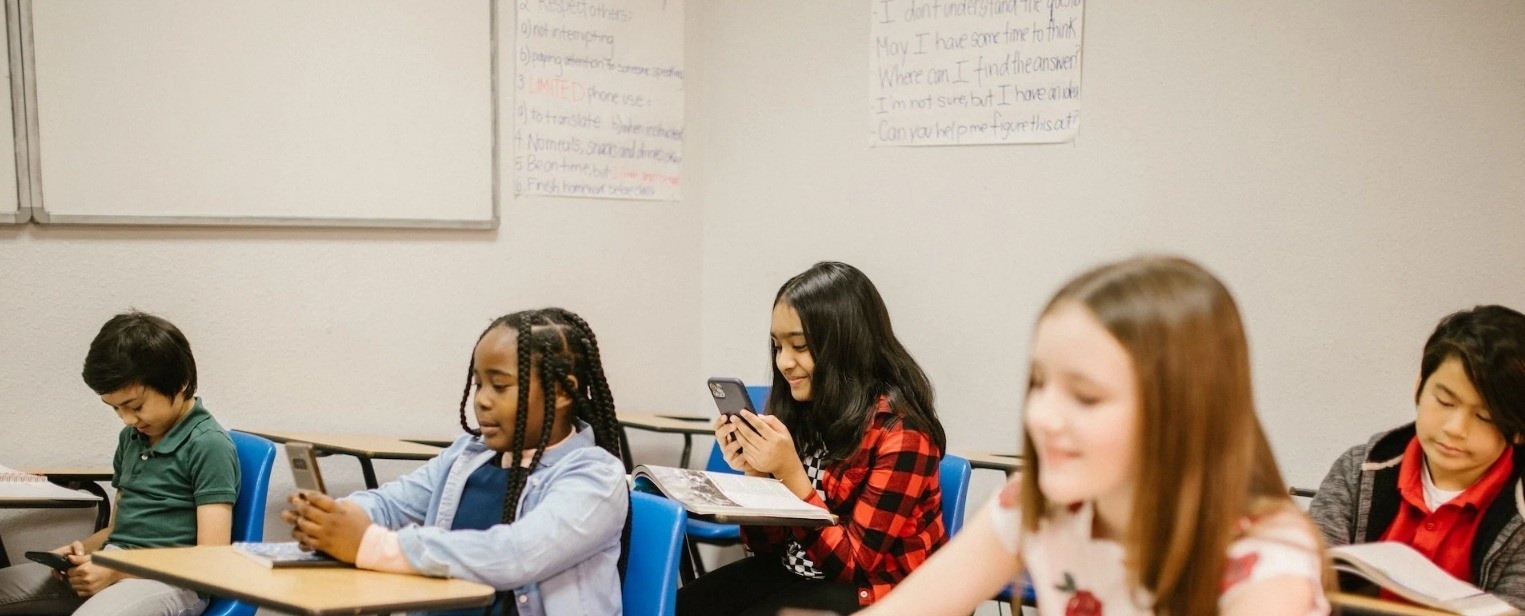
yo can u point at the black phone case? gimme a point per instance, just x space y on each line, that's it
730 395
51 559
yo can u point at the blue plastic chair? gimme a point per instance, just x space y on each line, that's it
256 456
656 545
953 476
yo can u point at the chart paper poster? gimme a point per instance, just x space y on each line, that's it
959 72
598 98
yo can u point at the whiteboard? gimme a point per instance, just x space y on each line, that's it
367 113
11 209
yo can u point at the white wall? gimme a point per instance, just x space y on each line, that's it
346 331
1352 170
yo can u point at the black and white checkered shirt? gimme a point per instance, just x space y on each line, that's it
796 561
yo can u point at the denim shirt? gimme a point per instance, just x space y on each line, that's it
561 555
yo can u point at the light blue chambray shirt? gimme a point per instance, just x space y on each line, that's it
561 555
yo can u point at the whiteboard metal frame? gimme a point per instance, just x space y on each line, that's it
23 212
35 207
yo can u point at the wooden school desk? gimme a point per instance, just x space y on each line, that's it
686 425
1004 462
364 448
25 491
221 571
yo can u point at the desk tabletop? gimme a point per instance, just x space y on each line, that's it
1360 604
72 473
222 571
662 422
359 445
1001 461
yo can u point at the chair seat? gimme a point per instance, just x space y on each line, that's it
711 532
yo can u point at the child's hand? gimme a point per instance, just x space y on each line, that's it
295 499
88 578
767 446
75 548
730 448
323 523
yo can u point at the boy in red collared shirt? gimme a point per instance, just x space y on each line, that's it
1449 484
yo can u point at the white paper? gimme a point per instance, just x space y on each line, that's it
951 72
598 98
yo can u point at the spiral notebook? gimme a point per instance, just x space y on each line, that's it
15 484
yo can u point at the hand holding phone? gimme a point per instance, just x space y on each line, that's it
57 561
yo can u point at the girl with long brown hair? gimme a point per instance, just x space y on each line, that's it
1149 486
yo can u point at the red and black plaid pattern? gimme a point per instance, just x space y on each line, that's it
889 509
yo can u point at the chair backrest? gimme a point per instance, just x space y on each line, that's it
759 395
256 456
656 545
716 463
953 476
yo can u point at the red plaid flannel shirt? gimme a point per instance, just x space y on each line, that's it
888 505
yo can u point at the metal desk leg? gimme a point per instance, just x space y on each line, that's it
688 446
102 509
369 471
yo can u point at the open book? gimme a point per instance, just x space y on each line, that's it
284 554
731 499
1401 570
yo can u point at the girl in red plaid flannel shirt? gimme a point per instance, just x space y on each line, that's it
850 428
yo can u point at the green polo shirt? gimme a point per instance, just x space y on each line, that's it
159 487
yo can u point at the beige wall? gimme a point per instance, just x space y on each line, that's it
1352 170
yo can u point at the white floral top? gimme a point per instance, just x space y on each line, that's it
1077 575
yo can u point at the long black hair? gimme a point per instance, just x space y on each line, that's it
857 360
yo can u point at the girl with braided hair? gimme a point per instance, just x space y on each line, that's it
532 503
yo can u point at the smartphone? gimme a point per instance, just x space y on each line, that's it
304 466
51 559
730 396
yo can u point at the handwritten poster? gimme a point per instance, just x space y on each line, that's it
952 72
598 105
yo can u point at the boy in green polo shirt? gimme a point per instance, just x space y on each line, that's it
175 471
